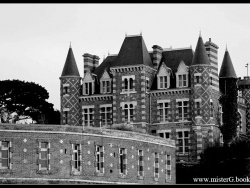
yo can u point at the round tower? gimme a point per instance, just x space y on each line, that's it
200 98
70 82
229 90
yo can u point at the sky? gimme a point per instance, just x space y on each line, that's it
35 38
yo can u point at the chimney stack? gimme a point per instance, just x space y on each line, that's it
157 54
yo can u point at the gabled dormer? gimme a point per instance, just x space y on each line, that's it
163 77
105 83
88 83
182 75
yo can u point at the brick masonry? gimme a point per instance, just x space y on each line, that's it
25 139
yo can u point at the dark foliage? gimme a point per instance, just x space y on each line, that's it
230 109
218 162
27 99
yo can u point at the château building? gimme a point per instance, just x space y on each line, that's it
171 93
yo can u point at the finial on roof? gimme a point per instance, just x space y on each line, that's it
126 33
200 33
141 33
108 53
226 47
70 44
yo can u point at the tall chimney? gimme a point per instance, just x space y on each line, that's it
157 54
88 62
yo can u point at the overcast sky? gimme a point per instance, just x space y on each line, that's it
34 38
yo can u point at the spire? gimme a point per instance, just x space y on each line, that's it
200 54
70 66
227 68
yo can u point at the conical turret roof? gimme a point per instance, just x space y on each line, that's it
70 66
200 55
133 51
227 68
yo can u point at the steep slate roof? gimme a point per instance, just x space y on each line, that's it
172 59
106 64
200 54
227 68
133 52
70 66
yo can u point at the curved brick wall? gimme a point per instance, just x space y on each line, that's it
24 154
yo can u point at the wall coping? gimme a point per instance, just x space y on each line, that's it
87 131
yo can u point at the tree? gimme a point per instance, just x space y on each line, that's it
26 99
230 110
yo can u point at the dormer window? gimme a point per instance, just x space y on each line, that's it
182 80
182 75
105 83
88 88
163 82
163 77
105 86
88 84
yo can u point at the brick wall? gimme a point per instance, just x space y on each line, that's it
25 140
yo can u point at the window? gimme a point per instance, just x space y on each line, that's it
183 137
197 78
88 115
65 89
168 167
140 163
106 86
163 107
182 109
66 117
99 159
5 155
221 114
183 80
129 112
164 134
128 84
198 108
182 75
156 166
163 82
147 84
123 161
44 156
76 157
88 88
106 114
211 109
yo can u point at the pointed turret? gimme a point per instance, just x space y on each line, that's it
70 66
70 82
227 68
200 55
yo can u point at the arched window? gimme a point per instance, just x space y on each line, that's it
130 83
126 84
129 112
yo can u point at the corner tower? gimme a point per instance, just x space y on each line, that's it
228 88
200 98
70 91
